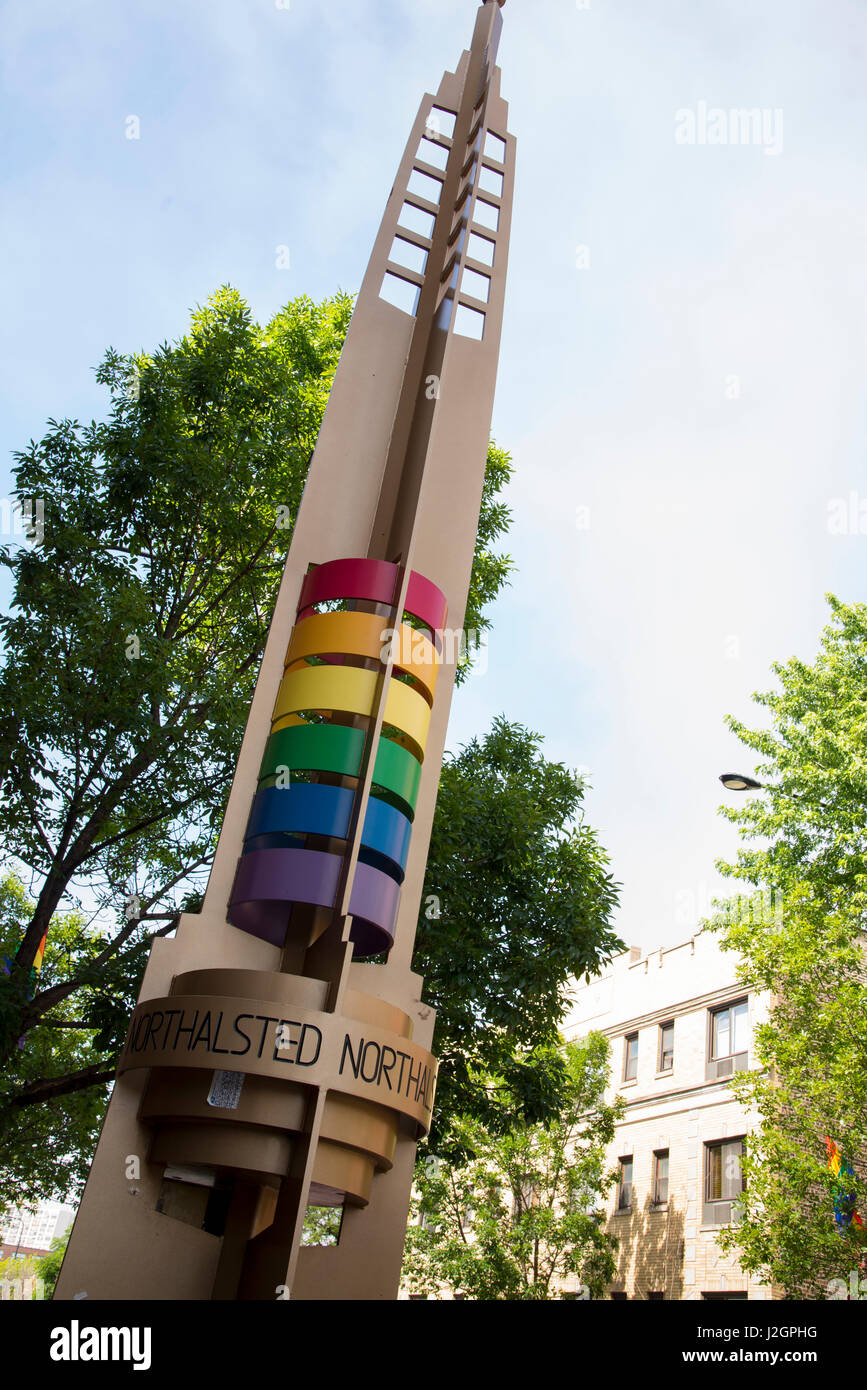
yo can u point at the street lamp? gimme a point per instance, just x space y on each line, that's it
739 782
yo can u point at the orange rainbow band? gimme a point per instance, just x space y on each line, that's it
366 635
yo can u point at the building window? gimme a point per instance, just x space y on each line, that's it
729 1030
660 1177
728 1043
630 1057
724 1180
618 1295
666 1046
624 1186
656 1297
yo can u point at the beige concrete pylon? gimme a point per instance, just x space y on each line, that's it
211 1154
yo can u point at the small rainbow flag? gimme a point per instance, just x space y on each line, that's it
844 1201
35 969
40 955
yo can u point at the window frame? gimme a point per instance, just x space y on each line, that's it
623 1187
716 1207
658 1154
660 1060
713 1014
627 1039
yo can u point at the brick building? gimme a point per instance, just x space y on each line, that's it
679 1026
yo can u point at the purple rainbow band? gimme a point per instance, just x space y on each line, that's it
269 881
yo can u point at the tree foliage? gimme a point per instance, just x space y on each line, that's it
48 1266
813 1059
139 620
801 939
131 653
55 1080
491 569
522 1217
14 1274
517 903
810 819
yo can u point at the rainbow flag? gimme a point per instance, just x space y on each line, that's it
40 955
35 969
845 1214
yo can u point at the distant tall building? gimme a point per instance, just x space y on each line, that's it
278 1059
679 1025
24 1232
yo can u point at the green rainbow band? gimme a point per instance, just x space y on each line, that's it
337 749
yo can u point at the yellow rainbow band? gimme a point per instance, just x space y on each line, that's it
351 691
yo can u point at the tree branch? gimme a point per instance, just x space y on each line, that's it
49 1088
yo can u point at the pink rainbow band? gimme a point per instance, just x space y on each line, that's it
376 581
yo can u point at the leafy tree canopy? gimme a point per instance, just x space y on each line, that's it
522 1217
55 1080
810 819
812 1057
48 1266
517 903
801 940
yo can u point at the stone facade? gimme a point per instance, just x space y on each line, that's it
680 1117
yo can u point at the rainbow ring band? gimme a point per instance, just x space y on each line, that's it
322 687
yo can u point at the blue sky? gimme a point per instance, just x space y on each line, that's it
691 380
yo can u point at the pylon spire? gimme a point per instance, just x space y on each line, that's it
270 1064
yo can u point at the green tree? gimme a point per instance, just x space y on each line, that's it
517 903
810 818
322 1225
801 939
46 1147
131 653
813 1060
522 1217
48 1266
14 1273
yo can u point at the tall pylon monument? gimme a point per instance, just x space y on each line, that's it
279 1055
